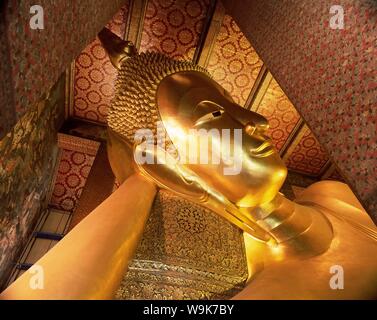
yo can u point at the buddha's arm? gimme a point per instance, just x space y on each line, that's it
91 260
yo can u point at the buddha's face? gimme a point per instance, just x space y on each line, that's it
254 173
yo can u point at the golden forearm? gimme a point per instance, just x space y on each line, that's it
91 260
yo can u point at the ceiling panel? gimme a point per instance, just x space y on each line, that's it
233 62
173 27
280 112
307 156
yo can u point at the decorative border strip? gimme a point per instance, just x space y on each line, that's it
147 265
78 144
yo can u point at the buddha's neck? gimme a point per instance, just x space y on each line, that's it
299 230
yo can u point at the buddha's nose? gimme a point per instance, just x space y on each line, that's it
263 126
252 121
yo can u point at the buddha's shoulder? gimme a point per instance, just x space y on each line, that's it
338 198
331 189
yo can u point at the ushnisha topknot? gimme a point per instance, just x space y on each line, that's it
134 105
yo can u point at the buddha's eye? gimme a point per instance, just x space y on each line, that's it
209 116
216 113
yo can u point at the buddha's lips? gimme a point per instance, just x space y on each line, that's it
264 150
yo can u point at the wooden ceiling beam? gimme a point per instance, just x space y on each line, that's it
211 35
135 22
259 89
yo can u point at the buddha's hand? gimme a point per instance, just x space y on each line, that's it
155 164
168 173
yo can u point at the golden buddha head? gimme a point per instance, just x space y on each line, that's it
155 93
152 89
251 172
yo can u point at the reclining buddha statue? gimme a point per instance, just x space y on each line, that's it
321 246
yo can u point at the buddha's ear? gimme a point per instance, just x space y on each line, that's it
117 49
158 165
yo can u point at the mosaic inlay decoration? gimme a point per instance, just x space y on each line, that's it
28 156
186 252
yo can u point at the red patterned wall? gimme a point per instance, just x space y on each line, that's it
280 112
233 62
173 27
95 76
33 60
73 171
76 160
329 75
308 156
